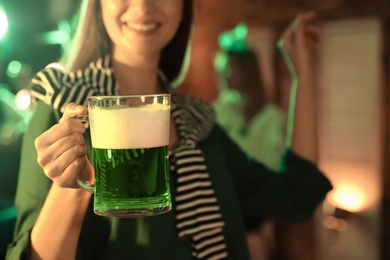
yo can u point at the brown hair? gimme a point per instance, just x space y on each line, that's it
247 65
91 40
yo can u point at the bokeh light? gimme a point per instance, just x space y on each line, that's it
355 189
350 197
14 68
23 99
3 22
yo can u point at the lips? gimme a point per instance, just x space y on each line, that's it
143 27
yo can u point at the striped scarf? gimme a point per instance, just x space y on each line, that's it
198 214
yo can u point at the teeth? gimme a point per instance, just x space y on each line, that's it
142 27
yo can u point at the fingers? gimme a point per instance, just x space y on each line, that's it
73 109
307 17
300 33
311 37
59 131
313 31
69 168
60 137
49 152
61 150
288 35
298 41
301 21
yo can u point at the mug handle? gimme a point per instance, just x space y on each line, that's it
85 120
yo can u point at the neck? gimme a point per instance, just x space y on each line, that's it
138 75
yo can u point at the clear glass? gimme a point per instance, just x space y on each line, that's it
130 137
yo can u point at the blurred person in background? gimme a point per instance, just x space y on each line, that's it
256 123
243 107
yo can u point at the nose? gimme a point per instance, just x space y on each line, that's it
141 6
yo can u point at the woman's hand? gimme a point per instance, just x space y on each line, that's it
298 43
62 152
297 46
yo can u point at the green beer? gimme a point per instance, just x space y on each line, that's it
130 137
132 181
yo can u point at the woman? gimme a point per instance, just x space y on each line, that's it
126 47
246 110
250 117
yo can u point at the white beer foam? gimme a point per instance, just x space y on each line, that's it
130 127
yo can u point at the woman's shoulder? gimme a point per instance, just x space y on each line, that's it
194 106
269 115
56 87
194 116
273 110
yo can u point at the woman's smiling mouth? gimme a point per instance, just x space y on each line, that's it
143 27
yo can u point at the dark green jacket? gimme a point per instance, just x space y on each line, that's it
247 192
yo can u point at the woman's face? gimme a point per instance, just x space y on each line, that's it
236 76
141 27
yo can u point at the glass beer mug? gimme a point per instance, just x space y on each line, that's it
130 137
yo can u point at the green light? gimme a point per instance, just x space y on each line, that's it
221 61
3 22
7 214
14 68
235 40
226 41
55 37
64 26
241 31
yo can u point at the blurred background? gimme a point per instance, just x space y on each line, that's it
354 110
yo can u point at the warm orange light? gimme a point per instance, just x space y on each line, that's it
338 224
348 196
356 187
